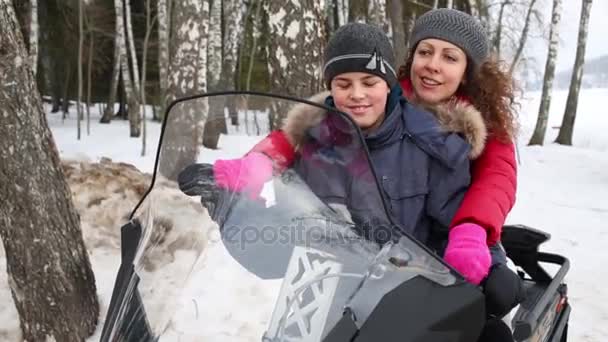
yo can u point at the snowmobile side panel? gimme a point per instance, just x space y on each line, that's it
434 313
529 320
560 333
345 330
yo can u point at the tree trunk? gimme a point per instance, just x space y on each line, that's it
357 10
216 124
398 28
108 113
48 268
538 138
474 8
80 48
409 28
233 17
188 73
255 33
376 14
523 38
34 29
342 10
449 4
295 49
163 50
567 128
89 79
498 35
142 87
133 83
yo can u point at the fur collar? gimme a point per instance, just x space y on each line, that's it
461 117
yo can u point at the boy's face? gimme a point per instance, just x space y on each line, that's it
362 96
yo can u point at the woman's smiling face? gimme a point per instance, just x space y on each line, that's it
438 69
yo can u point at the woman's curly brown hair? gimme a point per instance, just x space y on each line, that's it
491 90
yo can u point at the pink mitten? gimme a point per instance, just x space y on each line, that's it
468 252
247 174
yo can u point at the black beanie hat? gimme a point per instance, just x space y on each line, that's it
456 27
357 47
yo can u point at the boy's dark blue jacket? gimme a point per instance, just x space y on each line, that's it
422 168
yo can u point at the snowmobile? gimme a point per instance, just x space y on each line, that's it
291 264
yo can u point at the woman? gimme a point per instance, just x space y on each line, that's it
448 69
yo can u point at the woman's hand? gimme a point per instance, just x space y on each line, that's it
468 252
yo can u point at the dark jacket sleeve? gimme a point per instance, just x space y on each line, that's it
447 187
492 192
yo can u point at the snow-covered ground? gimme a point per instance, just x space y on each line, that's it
561 190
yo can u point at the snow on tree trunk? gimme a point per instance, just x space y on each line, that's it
187 76
567 128
48 267
523 38
295 49
34 29
538 137
163 49
376 14
398 28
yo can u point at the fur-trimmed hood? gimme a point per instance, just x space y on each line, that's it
461 117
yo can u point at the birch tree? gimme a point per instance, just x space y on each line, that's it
109 110
342 10
216 123
474 7
163 49
80 48
395 10
131 82
376 14
524 36
187 76
233 30
48 268
34 29
357 11
295 48
538 137
497 40
567 128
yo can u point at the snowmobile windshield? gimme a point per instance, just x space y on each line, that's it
216 258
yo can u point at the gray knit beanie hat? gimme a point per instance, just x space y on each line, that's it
456 27
357 47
